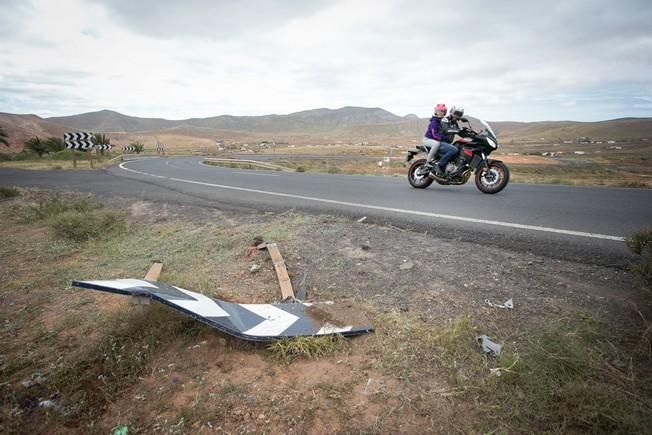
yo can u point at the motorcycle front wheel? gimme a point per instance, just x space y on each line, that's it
418 176
492 179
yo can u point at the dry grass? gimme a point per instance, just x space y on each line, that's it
288 350
569 375
589 175
104 363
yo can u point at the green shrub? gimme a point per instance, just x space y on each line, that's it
82 226
5 157
55 206
334 170
638 241
25 155
8 192
641 244
66 155
301 169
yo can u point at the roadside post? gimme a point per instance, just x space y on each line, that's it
79 141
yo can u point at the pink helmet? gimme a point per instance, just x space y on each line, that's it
440 108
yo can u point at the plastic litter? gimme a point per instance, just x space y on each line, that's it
489 346
509 304
120 430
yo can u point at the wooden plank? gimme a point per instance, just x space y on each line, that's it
152 275
154 272
281 271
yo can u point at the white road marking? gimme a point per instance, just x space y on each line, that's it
393 210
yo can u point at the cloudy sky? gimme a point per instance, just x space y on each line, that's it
502 60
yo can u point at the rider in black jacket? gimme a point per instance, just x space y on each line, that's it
449 124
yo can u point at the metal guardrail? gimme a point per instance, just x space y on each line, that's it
251 163
109 162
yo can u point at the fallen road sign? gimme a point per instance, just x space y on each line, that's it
254 322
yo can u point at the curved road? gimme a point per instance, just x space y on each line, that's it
586 223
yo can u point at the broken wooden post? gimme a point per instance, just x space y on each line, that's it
152 275
281 270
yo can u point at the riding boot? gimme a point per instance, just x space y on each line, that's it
439 173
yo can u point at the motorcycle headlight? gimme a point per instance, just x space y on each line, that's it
491 143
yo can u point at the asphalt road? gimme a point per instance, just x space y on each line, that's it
583 223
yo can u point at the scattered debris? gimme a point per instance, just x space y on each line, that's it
362 219
374 386
498 371
254 268
489 346
154 272
407 265
120 430
281 270
36 379
46 404
509 304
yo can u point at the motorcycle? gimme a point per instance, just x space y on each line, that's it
491 176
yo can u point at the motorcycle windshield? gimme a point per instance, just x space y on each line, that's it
489 129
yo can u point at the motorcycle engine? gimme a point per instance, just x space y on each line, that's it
451 167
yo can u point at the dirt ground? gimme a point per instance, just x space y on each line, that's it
197 380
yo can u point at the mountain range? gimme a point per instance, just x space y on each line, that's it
349 123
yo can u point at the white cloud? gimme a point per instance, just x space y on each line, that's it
204 58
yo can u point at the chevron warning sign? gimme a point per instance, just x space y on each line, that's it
160 148
78 140
128 148
254 322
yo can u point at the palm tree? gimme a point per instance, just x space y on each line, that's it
138 147
101 139
54 144
3 137
37 146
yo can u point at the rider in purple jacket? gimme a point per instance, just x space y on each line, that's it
435 139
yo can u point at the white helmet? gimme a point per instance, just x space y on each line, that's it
457 111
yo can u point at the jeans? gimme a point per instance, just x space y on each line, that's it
446 150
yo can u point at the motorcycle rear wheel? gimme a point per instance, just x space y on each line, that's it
418 181
492 179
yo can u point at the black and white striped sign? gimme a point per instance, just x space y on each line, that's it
128 148
159 147
255 322
79 140
103 147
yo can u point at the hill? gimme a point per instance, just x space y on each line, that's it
20 128
110 121
311 121
617 129
346 123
